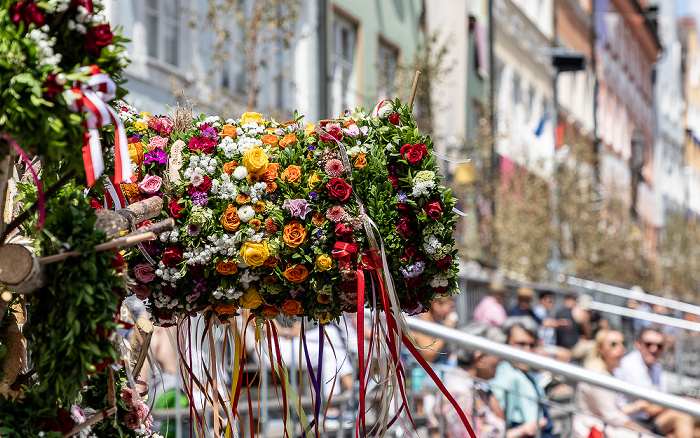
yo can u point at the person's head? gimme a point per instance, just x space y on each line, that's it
547 299
608 351
650 343
499 291
441 307
570 300
521 332
525 295
475 361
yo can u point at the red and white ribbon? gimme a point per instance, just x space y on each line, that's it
91 97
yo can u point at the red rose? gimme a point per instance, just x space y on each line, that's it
175 208
52 86
413 308
342 231
87 4
433 209
414 282
405 229
99 367
444 263
413 153
164 314
168 290
141 291
172 257
331 131
404 210
117 262
395 119
350 286
339 189
203 187
196 270
204 144
28 12
98 37
440 290
394 182
393 171
65 421
412 252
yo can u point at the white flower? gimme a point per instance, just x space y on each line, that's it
240 173
246 213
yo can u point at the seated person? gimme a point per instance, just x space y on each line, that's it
595 403
641 367
481 408
515 384
490 309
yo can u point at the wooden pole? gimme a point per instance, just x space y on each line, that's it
117 243
90 421
413 88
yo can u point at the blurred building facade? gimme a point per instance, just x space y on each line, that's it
690 44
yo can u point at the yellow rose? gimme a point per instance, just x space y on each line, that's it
323 262
310 129
251 118
313 180
255 161
255 253
250 299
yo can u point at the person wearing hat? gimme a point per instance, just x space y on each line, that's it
490 309
524 306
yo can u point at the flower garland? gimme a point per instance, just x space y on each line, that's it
41 43
270 216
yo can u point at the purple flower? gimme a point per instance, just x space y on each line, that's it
157 155
313 196
319 233
199 198
294 127
294 292
279 131
412 271
402 196
208 131
297 207
312 147
200 286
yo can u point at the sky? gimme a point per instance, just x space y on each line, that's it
688 7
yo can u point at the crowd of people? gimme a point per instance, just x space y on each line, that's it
503 398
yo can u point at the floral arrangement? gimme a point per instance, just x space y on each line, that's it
273 217
43 44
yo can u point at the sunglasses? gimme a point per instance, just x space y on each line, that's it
648 345
529 345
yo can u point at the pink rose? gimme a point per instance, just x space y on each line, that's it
150 184
158 142
141 291
297 207
144 272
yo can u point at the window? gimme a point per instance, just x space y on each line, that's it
344 37
162 21
387 69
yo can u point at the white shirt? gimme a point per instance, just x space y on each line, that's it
633 370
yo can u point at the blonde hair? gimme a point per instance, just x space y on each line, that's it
594 360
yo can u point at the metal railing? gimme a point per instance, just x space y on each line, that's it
572 372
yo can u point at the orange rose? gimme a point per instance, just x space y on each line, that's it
348 123
294 234
230 220
360 161
292 307
296 274
291 174
230 167
270 139
288 140
271 172
226 309
271 187
271 262
228 131
227 267
318 219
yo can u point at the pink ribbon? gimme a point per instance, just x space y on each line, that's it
39 188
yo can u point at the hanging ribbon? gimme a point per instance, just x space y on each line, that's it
451 160
39 188
114 197
91 97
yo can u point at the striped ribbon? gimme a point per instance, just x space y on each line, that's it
91 97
